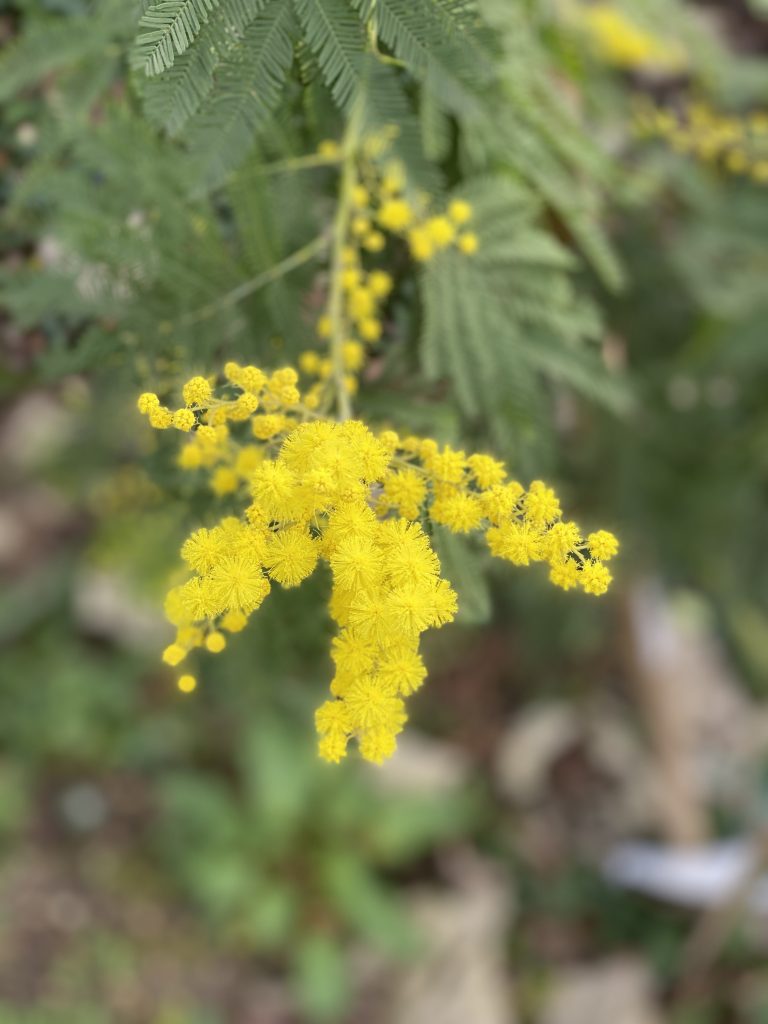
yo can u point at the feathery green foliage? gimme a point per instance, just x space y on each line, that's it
172 26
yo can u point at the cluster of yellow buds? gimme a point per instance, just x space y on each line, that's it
618 40
315 489
365 293
379 206
738 144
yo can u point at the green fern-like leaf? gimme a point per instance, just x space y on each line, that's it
249 84
172 98
172 26
510 310
335 36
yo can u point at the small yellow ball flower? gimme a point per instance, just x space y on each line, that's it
370 329
468 243
595 578
441 231
350 278
395 215
332 747
184 419
174 654
147 402
380 283
224 481
186 683
602 545
374 241
234 622
460 211
309 362
360 225
354 355
197 391
324 326
252 379
565 574
160 418
360 196
421 245
215 642
361 303
190 457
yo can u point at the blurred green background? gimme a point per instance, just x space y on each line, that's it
170 859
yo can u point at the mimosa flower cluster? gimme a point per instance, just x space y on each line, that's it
620 41
312 490
378 206
737 144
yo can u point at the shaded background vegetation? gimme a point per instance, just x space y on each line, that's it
187 859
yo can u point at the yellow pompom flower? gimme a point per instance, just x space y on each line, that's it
174 654
441 231
487 471
461 512
460 211
405 491
160 418
395 215
184 419
370 329
540 504
196 391
602 545
237 583
147 402
595 578
215 642
468 243
421 245
565 574
380 283
291 555
224 481
186 683
374 241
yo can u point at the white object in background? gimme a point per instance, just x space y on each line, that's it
698 876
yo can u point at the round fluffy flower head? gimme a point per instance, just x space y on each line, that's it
274 489
291 555
565 574
468 243
237 583
461 511
147 402
460 211
602 545
184 419
540 504
441 231
595 578
395 215
197 391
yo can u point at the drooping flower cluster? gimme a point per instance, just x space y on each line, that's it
737 144
313 489
379 206
619 40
